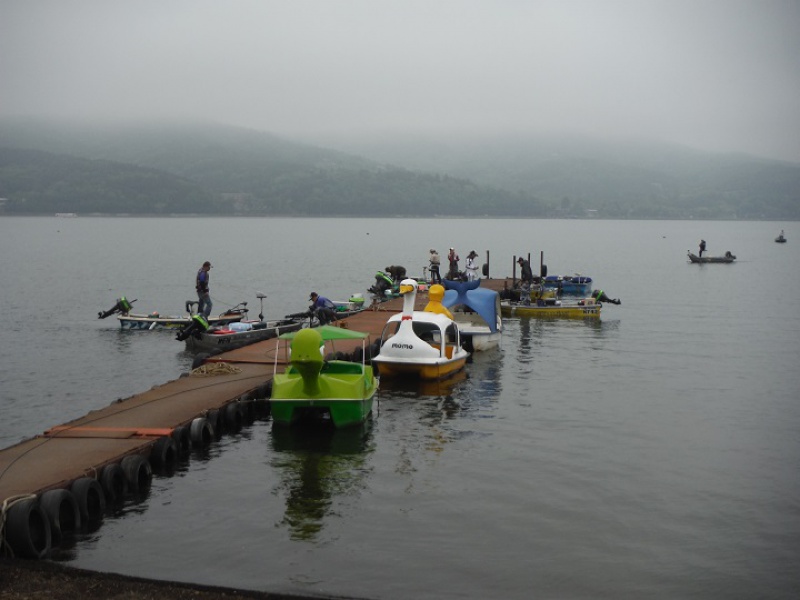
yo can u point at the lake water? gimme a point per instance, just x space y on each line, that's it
653 454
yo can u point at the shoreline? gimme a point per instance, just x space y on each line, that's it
41 579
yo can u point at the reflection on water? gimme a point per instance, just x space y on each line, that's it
316 463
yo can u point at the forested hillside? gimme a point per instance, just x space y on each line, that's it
34 182
215 169
618 179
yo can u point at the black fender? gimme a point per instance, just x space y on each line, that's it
115 486
234 418
138 473
164 453
202 433
62 511
183 440
27 529
90 498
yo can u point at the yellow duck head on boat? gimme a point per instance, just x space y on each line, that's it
307 348
435 297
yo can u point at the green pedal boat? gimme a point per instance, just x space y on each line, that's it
312 387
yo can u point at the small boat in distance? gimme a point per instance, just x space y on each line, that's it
727 258
781 239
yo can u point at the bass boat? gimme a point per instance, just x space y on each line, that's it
543 304
201 336
727 258
420 343
155 320
312 387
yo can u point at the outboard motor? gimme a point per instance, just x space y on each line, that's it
198 325
122 306
383 283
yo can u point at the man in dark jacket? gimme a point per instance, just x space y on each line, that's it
525 270
203 294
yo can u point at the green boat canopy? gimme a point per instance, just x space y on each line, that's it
329 332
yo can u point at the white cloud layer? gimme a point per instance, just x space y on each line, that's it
721 75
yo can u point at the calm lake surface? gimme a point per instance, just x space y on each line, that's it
655 454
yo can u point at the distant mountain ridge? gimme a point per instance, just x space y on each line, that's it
620 178
217 169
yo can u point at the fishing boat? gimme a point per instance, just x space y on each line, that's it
419 343
233 335
726 258
476 310
586 308
544 304
312 387
569 284
781 239
155 320
200 336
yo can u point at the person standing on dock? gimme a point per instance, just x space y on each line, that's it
453 258
203 294
702 248
525 281
435 261
472 266
525 274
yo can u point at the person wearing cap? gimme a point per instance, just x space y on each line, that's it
526 275
453 258
435 261
322 308
203 293
472 266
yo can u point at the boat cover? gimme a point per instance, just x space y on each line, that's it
470 294
328 332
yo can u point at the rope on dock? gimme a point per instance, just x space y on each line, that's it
215 368
7 504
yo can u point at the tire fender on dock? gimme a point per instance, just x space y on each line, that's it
201 432
233 416
214 417
90 498
138 473
248 409
164 453
115 486
27 529
183 440
62 511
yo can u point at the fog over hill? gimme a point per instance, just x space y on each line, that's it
245 171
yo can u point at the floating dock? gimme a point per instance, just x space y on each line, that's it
66 477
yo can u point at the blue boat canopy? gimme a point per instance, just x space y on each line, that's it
470 294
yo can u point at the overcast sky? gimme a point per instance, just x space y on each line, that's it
713 74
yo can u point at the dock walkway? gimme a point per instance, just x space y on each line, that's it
184 411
